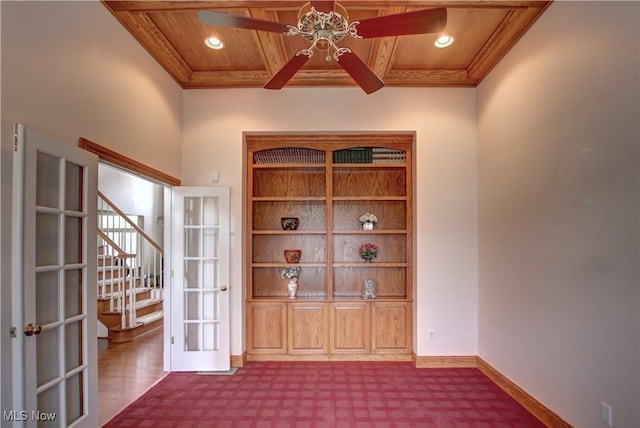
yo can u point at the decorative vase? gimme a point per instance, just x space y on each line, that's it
292 288
289 223
367 259
367 225
292 256
369 289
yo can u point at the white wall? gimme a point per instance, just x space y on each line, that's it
70 70
135 196
558 135
445 190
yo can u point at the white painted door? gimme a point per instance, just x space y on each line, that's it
54 248
200 279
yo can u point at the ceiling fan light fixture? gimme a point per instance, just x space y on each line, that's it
213 43
323 30
324 24
443 41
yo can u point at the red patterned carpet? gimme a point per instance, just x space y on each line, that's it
327 394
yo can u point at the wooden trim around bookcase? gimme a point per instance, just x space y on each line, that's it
347 138
539 410
109 156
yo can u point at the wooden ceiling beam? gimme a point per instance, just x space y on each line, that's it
274 52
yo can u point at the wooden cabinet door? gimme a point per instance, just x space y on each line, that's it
267 328
308 328
391 327
350 323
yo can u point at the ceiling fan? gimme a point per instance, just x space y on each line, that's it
324 24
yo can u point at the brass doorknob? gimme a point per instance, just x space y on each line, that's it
31 329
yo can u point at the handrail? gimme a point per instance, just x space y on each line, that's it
132 224
121 253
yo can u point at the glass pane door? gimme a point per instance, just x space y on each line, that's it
201 278
59 247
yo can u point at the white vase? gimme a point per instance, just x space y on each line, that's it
367 225
292 288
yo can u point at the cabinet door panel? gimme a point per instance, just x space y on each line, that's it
391 327
267 328
308 328
350 328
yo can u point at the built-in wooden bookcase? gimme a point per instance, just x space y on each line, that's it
328 181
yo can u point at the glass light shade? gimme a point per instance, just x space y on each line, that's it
443 41
213 43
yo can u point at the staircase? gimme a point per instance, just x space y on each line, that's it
130 289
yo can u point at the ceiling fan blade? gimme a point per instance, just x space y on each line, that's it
360 72
286 73
323 6
218 19
400 24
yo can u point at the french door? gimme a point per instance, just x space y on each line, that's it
200 279
54 284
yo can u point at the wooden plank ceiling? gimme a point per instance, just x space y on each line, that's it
484 31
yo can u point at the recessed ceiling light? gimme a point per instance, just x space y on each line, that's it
443 41
213 43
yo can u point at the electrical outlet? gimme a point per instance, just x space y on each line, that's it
431 334
606 414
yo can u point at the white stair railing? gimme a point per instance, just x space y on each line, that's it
117 283
136 261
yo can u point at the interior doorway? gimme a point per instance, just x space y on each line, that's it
133 168
126 370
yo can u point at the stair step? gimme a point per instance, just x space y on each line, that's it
110 319
146 302
148 306
137 290
148 319
108 273
105 261
108 281
140 304
145 325
110 284
108 268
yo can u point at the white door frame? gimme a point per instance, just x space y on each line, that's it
166 280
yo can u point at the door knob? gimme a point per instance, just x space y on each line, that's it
224 288
31 329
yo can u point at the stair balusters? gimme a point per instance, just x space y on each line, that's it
130 267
